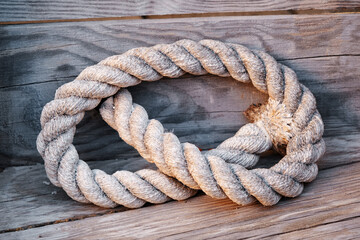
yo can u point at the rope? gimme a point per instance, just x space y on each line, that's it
288 122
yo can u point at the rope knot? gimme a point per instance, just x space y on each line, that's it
277 121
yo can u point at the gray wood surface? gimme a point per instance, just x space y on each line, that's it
25 10
28 198
34 61
328 208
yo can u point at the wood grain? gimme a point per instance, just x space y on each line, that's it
28 198
332 198
344 229
35 60
24 10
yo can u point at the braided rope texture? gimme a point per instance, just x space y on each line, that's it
289 122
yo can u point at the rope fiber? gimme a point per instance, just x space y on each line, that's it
289 122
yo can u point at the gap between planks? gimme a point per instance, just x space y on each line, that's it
352 10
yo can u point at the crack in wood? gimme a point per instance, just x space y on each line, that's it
319 56
195 15
122 209
307 228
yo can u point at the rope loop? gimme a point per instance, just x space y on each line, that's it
289 122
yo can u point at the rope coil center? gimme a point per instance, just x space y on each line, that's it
289 122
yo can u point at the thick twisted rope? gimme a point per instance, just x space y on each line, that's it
289 122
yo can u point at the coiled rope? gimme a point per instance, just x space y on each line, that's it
288 122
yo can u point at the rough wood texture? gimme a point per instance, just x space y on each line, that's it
24 10
29 199
319 210
36 60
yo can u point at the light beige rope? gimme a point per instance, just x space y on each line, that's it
289 122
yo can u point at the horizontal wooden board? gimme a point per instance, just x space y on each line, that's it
329 206
345 229
35 60
29 199
23 10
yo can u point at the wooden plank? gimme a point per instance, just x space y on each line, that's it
332 198
35 60
346 229
29 199
36 202
68 48
23 10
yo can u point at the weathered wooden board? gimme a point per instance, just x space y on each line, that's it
344 229
24 10
35 60
28 198
332 198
